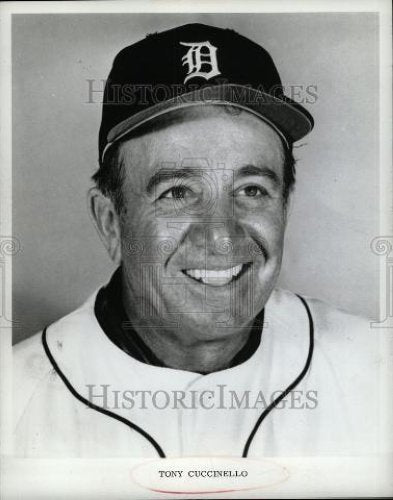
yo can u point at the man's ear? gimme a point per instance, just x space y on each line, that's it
106 221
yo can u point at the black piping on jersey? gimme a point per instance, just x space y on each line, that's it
91 405
290 387
147 436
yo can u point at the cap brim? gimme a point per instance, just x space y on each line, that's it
290 120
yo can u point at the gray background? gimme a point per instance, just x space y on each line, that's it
334 213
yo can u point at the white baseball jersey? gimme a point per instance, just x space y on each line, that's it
142 410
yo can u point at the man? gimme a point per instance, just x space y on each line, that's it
190 349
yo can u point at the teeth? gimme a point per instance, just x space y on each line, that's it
214 277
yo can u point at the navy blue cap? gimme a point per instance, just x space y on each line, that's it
191 65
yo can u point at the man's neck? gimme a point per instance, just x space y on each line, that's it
176 346
200 356
181 346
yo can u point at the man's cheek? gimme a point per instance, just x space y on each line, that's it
267 234
143 242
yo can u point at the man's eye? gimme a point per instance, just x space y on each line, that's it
176 192
253 191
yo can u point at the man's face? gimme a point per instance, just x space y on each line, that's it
203 223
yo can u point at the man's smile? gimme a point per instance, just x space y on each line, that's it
217 277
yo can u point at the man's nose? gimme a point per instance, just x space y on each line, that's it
216 237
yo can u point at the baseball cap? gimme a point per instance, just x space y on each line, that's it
192 65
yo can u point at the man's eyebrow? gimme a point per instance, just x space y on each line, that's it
163 175
170 174
258 170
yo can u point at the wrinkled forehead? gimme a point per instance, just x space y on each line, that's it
211 136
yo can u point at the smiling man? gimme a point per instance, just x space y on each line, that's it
232 195
190 349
